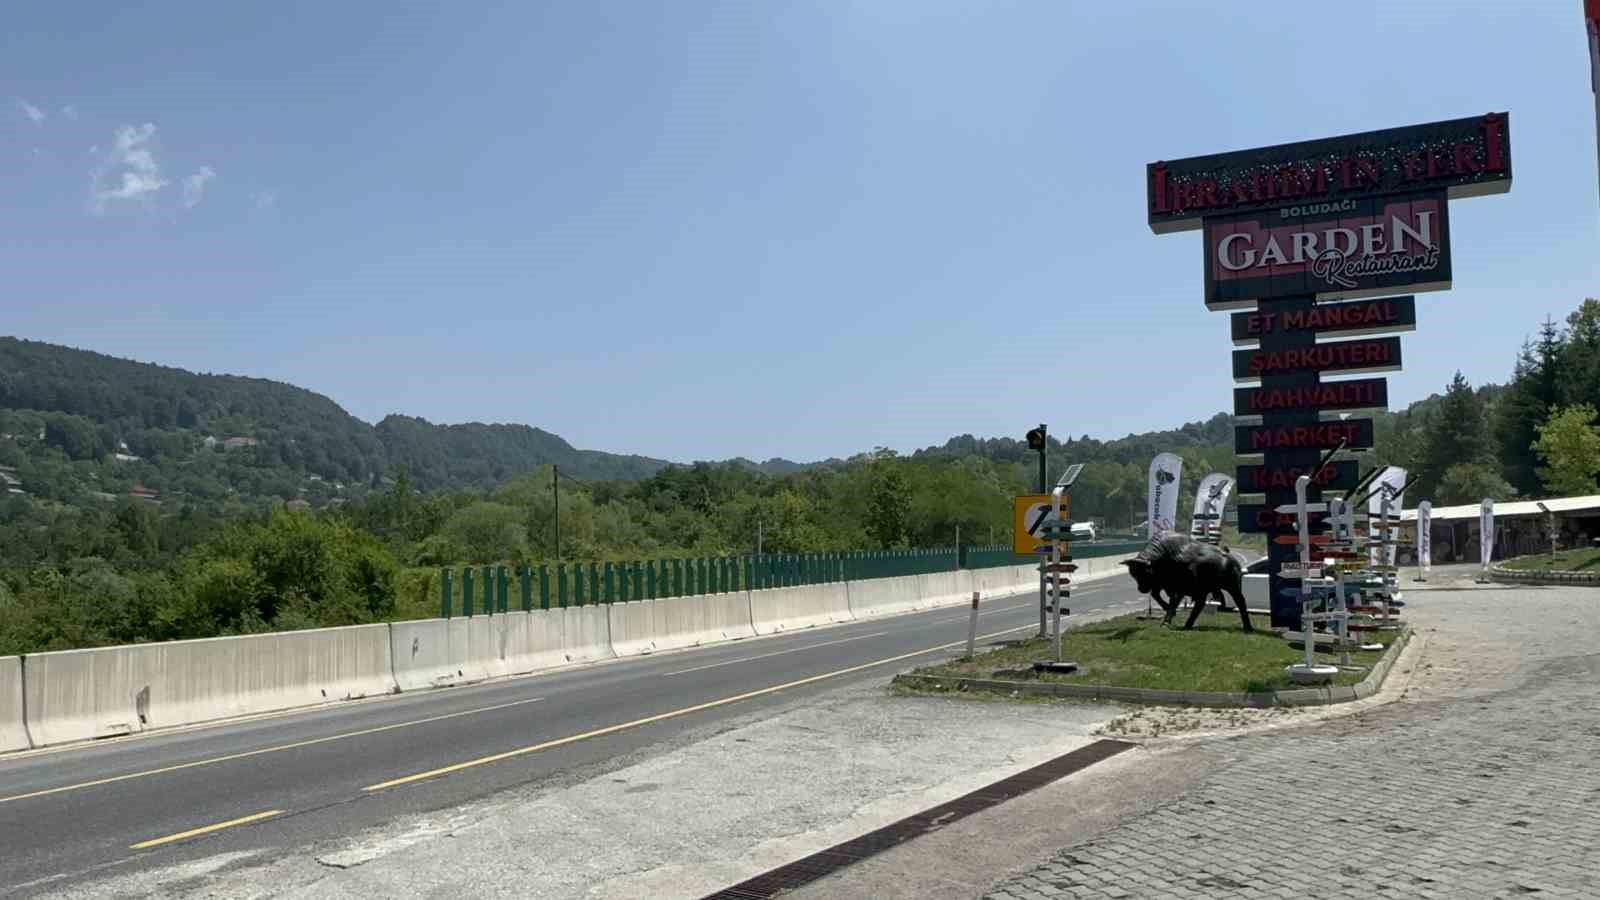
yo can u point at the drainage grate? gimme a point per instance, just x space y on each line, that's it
826 862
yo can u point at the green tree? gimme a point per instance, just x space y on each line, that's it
887 500
1569 444
488 532
1529 398
1470 483
1453 435
1578 374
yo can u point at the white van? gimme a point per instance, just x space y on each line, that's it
1084 530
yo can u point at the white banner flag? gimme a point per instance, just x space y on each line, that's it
1424 538
1486 532
1387 488
1209 502
1166 471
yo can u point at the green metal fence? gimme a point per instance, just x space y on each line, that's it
487 589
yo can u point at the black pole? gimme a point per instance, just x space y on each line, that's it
1044 458
555 485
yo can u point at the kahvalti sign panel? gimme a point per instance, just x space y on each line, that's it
1461 158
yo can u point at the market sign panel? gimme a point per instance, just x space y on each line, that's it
1253 439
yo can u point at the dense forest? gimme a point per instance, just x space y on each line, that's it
313 518
77 422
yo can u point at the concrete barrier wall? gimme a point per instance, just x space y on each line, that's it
79 694
884 596
486 645
585 633
13 732
943 589
632 627
421 654
672 623
785 609
537 641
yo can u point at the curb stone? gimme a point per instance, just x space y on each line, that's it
1554 577
1322 696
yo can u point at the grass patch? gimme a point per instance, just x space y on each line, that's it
1578 559
1128 652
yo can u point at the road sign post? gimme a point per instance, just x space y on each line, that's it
1041 525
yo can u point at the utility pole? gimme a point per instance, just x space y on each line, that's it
761 533
555 485
1038 439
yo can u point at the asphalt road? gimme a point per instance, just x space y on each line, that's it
77 814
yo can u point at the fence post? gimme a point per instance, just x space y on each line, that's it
502 589
544 586
466 591
444 593
561 585
525 576
577 584
594 583
610 583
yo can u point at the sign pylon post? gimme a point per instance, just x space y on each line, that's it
1315 240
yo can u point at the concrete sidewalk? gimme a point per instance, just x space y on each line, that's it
1475 774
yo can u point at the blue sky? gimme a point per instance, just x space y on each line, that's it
703 229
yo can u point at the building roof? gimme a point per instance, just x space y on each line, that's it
1512 508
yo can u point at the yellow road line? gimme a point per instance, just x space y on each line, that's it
712 704
273 749
775 653
196 832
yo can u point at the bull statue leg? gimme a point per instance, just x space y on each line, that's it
1244 612
1199 598
1169 608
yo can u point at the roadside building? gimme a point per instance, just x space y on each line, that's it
1520 528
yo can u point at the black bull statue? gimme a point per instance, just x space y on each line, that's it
1177 566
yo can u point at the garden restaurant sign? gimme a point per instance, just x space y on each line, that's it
1316 240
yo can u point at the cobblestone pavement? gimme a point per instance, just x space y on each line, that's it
1483 780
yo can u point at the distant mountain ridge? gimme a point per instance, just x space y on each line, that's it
93 404
273 439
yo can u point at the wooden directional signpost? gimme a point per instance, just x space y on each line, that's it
1314 242
1042 525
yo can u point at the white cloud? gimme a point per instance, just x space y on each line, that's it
130 166
34 113
194 186
265 199
69 111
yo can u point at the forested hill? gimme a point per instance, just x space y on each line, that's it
485 455
266 438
